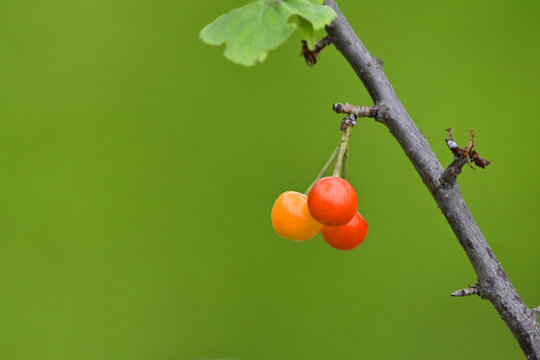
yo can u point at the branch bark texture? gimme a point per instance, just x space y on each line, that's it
493 283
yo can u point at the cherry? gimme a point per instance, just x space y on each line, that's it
348 236
332 201
291 219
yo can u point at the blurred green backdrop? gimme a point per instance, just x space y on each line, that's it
139 168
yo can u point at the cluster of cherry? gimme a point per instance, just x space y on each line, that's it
330 207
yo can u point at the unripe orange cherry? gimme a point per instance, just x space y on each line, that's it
332 201
348 236
291 219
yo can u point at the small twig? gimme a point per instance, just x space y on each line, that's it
471 290
451 142
354 113
312 56
461 157
450 174
468 149
358 111
536 311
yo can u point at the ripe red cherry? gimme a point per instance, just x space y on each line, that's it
332 201
348 236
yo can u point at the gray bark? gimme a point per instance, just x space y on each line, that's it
493 283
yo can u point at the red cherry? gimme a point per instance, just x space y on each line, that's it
332 201
348 236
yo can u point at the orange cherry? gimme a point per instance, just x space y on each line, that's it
348 236
332 201
291 218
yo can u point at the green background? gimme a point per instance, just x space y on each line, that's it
139 167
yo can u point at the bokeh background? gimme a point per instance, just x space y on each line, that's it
139 167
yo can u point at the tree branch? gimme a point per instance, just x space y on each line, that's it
493 282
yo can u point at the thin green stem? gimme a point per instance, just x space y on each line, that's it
342 149
324 169
345 164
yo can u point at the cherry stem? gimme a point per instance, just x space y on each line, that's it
345 164
324 169
343 146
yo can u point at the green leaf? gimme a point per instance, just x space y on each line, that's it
249 32
318 15
308 33
311 17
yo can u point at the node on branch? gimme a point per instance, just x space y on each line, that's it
467 155
471 290
312 56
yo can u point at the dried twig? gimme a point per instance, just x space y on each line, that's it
312 56
461 157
